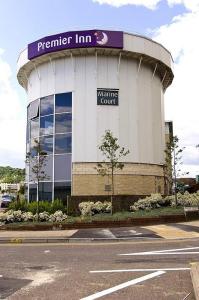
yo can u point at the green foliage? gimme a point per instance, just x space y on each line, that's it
113 154
173 160
156 201
11 175
18 205
32 207
57 205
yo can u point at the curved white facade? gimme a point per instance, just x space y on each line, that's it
141 71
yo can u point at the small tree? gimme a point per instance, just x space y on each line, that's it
37 160
113 153
173 162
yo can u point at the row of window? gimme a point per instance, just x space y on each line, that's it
62 142
63 124
59 103
46 189
50 123
60 171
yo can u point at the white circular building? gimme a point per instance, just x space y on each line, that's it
80 84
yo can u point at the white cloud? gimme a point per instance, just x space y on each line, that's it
151 4
192 5
12 119
182 98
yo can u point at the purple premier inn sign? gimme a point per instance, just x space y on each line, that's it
76 39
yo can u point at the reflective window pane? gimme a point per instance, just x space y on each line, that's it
45 191
47 168
26 191
46 125
63 102
46 143
34 128
61 190
45 172
63 143
63 123
27 132
32 192
62 167
47 105
33 147
33 109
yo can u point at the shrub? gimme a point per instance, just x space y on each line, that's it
57 205
156 201
18 205
47 206
44 216
19 216
86 208
32 207
58 216
148 203
91 208
27 216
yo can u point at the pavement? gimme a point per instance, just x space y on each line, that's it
186 230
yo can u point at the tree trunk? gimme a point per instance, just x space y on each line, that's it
112 189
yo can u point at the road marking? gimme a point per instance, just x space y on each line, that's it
165 252
160 253
108 233
141 270
1 275
123 285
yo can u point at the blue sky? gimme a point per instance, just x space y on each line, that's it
167 21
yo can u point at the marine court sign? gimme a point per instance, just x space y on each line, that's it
107 96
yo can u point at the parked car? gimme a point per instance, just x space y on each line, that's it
6 200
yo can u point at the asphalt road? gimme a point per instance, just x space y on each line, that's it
69 271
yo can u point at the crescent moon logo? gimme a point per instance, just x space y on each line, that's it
101 38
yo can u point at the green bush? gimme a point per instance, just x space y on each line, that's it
57 205
18 205
32 207
49 207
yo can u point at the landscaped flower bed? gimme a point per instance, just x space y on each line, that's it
18 216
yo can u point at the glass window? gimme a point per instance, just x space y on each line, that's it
47 168
62 167
28 132
47 105
63 123
34 128
32 192
63 143
45 191
46 125
26 191
45 171
33 110
46 143
61 190
63 102
33 147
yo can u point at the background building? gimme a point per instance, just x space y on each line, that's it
80 84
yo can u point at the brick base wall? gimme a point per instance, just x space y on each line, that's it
134 179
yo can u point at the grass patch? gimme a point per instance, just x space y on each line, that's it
124 215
